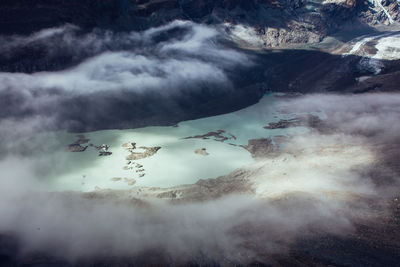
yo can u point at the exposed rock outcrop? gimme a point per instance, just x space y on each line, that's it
387 12
147 151
219 135
201 151
260 148
76 148
309 120
313 16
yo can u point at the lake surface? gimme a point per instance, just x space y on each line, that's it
176 163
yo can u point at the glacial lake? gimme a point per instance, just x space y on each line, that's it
175 163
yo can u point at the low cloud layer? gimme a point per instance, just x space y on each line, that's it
119 77
351 153
316 184
161 59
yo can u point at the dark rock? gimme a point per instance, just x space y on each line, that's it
76 148
260 148
308 121
219 136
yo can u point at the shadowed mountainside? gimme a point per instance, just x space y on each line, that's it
300 71
321 17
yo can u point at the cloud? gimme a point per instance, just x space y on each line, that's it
163 58
370 115
120 71
349 154
91 76
74 227
316 184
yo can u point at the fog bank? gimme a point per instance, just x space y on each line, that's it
317 183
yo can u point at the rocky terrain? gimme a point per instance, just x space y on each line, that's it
309 120
319 16
202 151
219 136
147 151
326 197
77 146
299 20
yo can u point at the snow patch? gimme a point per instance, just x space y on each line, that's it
376 49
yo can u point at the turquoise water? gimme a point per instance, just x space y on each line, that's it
175 163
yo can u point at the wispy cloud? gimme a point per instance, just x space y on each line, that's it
118 69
